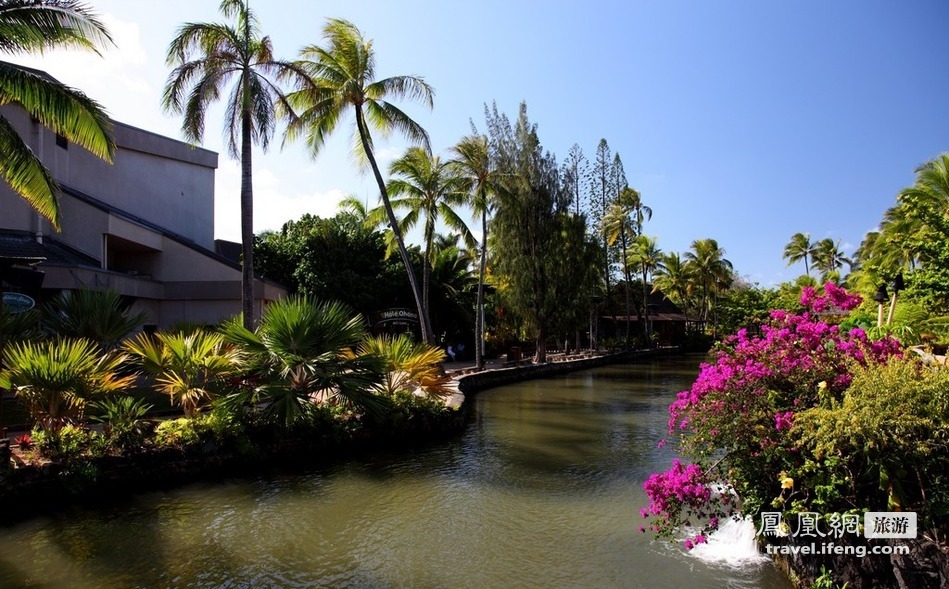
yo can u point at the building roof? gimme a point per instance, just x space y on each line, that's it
26 249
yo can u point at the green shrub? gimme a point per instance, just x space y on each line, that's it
68 443
125 426
179 433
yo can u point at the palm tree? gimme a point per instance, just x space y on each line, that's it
206 58
473 163
55 379
619 225
623 221
98 315
301 354
646 256
189 367
673 277
711 271
800 248
829 259
425 186
341 76
409 366
31 26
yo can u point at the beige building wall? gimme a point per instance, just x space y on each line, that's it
142 226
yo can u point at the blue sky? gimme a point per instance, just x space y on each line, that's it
745 121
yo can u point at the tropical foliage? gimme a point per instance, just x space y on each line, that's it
190 367
301 355
745 417
408 366
56 379
102 316
206 57
341 76
34 26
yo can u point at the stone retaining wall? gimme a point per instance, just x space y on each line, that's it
470 384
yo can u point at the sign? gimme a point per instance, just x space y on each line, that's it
15 302
396 316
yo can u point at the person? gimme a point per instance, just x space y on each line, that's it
451 352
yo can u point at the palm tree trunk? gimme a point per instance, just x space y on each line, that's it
427 267
647 342
424 323
479 319
247 223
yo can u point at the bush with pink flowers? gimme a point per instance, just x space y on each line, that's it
735 423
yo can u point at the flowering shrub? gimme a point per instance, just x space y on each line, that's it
735 420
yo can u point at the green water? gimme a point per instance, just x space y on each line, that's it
543 489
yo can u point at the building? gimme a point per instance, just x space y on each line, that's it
142 226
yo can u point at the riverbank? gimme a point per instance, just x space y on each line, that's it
241 450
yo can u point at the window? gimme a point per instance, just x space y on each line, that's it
61 141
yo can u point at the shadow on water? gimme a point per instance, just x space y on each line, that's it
541 490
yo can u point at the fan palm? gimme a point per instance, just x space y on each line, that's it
800 248
409 366
425 186
190 367
341 76
55 379
302 353
29 26
206 58
99 315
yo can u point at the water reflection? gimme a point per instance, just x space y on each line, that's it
542 490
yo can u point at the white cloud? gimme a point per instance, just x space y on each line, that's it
274 203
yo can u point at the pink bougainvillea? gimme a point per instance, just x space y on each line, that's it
734 420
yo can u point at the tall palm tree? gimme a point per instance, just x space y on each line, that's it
618 225
711 271
341 76
426 187
800 248
473 163
647 257
624 222
829 259
30 26
206 58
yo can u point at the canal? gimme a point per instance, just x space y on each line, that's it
543 489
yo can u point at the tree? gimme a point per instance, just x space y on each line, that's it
647 257
425 186
828 258
341 76
673 277
338 259
600 197
527 230
206 58
188 367
710 270
800 248
473 163
30 26
301 354
574 171
101 316
55 379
